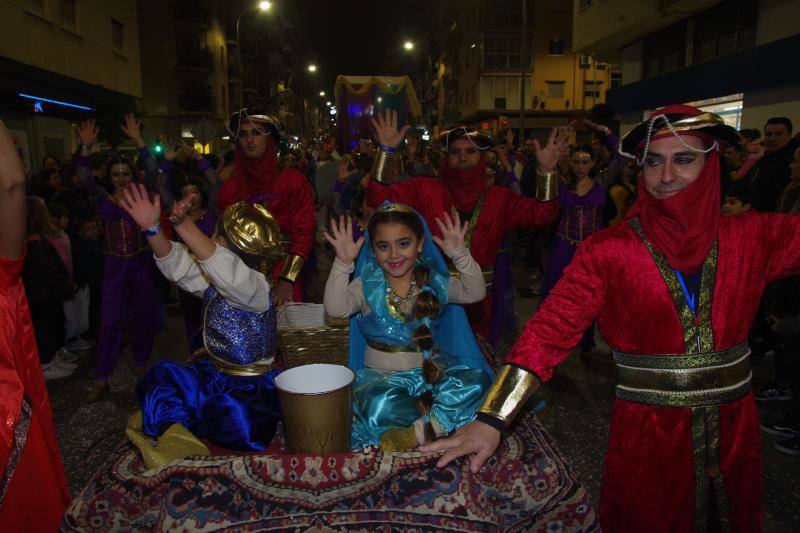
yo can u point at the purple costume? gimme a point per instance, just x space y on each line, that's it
578 218
128 287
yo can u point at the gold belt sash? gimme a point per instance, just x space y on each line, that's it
694 380
257 368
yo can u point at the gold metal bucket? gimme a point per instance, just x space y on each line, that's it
317 406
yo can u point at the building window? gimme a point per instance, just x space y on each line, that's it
118 35
720 32
591 89
499 103
615 80
504 51
664 51
556 89
556 47
67 15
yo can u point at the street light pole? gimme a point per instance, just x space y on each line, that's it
262 6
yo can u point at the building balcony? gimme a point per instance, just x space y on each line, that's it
194 59
190 13
196 103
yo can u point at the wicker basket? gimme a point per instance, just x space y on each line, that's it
316 344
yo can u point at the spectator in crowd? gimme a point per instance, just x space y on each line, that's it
88 259
51 162
47 183
770 175
737 201
74 198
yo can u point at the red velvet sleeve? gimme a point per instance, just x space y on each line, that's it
302 217
524 212
11 387
228 194
781 233
571 307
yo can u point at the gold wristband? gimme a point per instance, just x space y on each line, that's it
381 165
546 185
292 266
511 389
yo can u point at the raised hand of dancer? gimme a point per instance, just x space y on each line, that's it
137 203
341 238
87 133
183 206
132 127
476 439
386 131
557 144
453 232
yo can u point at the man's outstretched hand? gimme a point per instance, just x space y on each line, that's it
476 439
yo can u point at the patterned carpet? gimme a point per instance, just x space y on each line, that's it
526 486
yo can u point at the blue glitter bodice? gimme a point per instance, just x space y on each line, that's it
237 336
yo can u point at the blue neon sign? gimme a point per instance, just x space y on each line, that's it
57 102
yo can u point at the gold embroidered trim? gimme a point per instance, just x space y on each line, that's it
697 335
20 438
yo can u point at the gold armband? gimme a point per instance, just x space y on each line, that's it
291 267
511 389
546 185
381 167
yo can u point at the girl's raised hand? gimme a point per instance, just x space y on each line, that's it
453 232
136 202
341 238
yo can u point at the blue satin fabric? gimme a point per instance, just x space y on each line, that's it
235 412
384 400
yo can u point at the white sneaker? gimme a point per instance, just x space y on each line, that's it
52 371
79 343
62 361
66 356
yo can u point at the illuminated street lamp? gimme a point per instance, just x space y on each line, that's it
312 68
408 45
262 6
322 93
328 103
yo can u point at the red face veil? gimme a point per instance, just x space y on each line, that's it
465 185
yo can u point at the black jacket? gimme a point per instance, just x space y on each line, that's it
769 177
44 274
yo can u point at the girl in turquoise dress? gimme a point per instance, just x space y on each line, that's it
419 371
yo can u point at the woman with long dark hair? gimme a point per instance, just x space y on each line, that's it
129 275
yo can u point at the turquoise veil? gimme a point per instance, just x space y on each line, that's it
448 330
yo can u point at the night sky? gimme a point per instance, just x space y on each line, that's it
351 36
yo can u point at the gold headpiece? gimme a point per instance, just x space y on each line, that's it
252 230
397 208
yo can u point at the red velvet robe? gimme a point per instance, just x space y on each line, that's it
649 479
292 205
502 212
33 487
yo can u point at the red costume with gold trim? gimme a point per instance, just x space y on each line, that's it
501 211
684 447
33 487
289 199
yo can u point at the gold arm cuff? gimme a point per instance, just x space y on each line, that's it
292 267
546 185
511 389
383 160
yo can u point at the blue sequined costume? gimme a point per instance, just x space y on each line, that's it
384 399
237 412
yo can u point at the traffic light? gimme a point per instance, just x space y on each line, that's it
158 148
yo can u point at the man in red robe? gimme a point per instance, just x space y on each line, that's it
674 291
33 487
285 193
490 211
